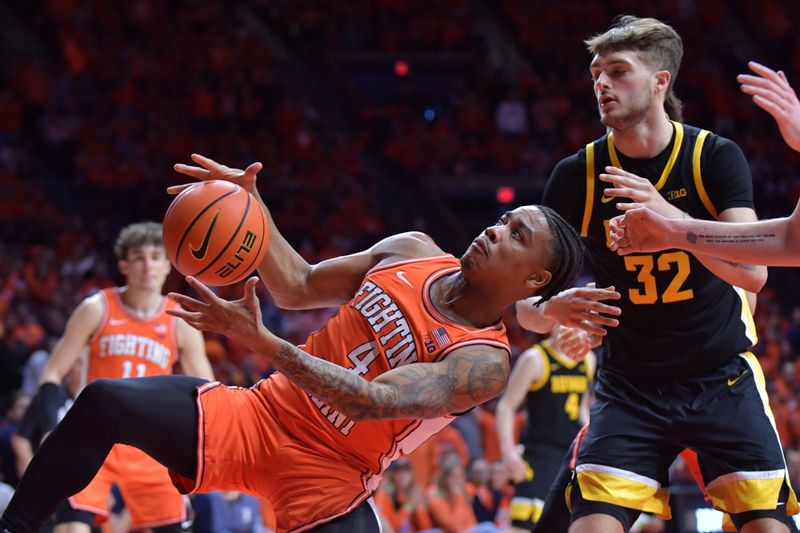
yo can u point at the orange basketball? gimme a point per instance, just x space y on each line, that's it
215 231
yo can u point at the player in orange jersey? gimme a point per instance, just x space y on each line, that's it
128 334
417 339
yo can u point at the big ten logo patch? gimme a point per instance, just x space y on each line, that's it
677 193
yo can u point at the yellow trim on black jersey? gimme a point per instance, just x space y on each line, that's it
587 209
542 381
676 148
747 316
565 361
698 174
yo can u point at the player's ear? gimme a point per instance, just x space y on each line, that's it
538 279
663 78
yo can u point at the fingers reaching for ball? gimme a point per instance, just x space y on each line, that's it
238 319
208 169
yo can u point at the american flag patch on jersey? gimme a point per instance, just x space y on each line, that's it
440 337
160 329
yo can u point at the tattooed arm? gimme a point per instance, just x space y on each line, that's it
774 242
467 377
738 272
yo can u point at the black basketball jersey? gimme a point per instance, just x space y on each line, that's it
678 319
554 400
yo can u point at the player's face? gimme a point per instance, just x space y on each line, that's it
146 267
624 86
513 253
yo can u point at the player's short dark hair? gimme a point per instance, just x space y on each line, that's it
138 234
567 251
658 43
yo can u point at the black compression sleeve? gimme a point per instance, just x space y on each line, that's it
49 400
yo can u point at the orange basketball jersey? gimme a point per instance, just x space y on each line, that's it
391 322
127 346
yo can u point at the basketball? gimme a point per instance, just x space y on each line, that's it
216 232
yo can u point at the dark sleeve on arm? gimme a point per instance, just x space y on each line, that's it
726 174
565 191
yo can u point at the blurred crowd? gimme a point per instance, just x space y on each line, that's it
112 94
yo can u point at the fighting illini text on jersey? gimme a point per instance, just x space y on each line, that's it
322 464
127 346
389 323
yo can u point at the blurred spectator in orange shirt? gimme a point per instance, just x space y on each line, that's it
401 501
426 459
449 504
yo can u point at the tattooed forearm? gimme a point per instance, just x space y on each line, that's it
318 377
694 238
486 380
422 390
743 266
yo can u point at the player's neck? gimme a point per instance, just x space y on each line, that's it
645 139
463 303
141 302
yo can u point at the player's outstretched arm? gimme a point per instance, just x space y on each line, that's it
467 377
774 242
81 325
528 369
578 307
642 193
292 281
772 93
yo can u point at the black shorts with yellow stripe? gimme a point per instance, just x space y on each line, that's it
542 466
638 426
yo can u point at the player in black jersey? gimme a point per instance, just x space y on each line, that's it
677 373
552 378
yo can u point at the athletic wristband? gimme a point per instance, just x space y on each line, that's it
49 402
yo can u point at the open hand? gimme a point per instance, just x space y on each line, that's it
574 343
639 190
515 466
238 319
639 230
211 170
772 93
582 308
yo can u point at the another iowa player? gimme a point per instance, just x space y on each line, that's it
678 371
552 379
